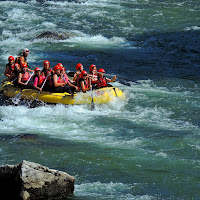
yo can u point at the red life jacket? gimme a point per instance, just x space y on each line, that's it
95 77
40 80
60 79
25 77
85 83
101 82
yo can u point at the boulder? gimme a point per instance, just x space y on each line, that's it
54 35
28 180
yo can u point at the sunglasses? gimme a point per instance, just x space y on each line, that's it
85 75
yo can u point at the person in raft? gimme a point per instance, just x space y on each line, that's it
15 74
72 88
102 81
45 71
93 75
77 75
64 72
10 66
84 83
38 79
23 77
59 84
23 59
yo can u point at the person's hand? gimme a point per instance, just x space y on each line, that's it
62 84
76 88
25 83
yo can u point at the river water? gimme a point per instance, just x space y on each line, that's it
144 148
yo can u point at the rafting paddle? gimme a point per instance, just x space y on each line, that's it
92 102
17 97
33 102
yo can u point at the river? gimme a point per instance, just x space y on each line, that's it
144 148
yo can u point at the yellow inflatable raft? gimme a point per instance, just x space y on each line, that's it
100 96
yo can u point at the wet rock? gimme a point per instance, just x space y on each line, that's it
54 35
29 180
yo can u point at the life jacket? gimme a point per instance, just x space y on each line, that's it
46 71
50 77
17 60
101 82
85 83
60 79
25 77
11 68
95 77
40 80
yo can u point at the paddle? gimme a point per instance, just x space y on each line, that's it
39 92
92 102
124 79
17 97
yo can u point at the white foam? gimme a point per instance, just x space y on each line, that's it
109 190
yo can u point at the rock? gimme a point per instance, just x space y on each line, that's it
54 35
28 180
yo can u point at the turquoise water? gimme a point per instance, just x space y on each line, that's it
144 148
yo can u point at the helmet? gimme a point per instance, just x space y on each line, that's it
46 61
37 69
24 65
11 58
56 68
83 73
62 68
60 64
91 67
78 66
26 50
16 65
101 70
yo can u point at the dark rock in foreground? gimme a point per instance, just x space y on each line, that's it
29 180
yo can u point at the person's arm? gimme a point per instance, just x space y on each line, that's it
20 80
111 80
6 72
35 83
11 76
76 76
56 84
73 86
21 59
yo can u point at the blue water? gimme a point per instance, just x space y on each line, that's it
144 148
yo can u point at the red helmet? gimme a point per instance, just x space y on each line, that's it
24 65
11 58
78 66
46 61
60 64
101 70
16 65
91 67
83 73
62 68
56 68
37 69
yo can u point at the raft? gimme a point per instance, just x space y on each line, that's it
99 96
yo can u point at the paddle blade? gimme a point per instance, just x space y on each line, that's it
92 104
16 98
